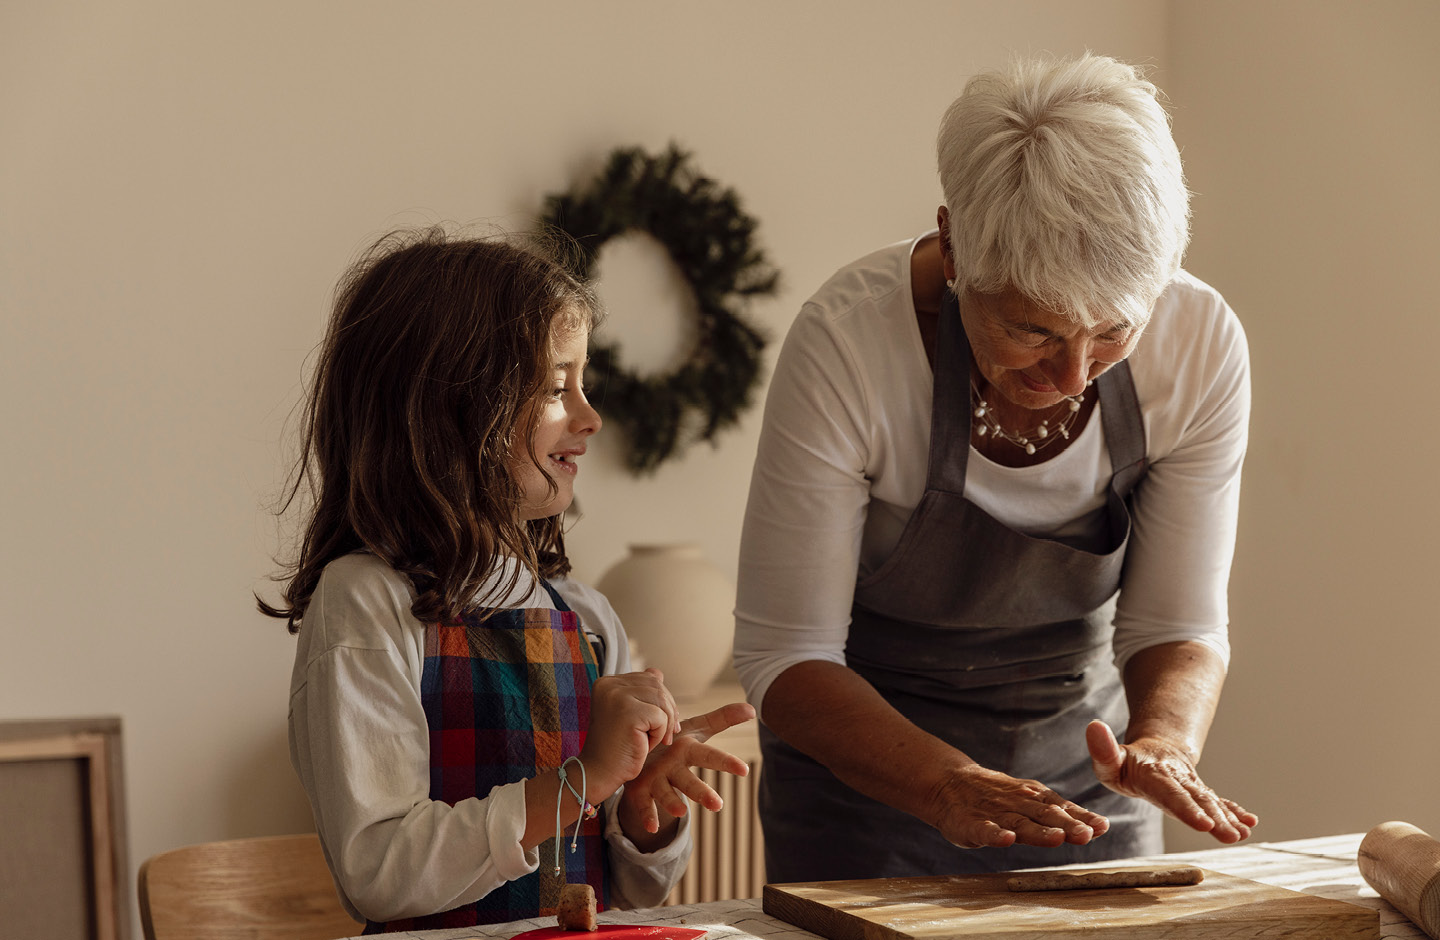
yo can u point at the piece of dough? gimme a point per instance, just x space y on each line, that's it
1113 878
576 910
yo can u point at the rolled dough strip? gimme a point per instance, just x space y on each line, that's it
1116 878
576 910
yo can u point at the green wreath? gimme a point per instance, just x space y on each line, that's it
708 237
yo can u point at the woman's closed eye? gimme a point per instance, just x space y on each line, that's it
1031 337
1037 337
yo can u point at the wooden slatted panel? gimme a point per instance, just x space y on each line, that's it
729 857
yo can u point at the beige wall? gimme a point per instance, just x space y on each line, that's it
1310 133
181 184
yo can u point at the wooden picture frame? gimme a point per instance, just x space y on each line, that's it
62 809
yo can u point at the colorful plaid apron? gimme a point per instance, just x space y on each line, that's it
506 699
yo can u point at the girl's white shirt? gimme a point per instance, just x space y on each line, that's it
360 744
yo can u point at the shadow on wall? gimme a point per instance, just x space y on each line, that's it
265 796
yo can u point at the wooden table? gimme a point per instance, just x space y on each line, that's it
1324 867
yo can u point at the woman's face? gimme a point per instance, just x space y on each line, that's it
1034 357
565 422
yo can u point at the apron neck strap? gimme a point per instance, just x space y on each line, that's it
555 597
950 408
1122 418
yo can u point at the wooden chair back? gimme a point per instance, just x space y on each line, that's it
275 888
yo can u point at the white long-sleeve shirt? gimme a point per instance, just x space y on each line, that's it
842 460
360 743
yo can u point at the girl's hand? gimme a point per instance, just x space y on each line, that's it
1158 771
630 716
655 798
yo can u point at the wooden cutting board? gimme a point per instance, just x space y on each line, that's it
963 906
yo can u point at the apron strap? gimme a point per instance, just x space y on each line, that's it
594 640
950 408
555 597
1124 427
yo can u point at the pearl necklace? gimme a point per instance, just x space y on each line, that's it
1036 438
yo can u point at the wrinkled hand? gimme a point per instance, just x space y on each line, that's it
1164 774
986 808
630 715
667 778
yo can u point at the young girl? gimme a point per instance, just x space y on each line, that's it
455 699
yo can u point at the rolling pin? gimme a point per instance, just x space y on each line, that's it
1402 863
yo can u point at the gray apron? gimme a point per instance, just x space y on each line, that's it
994 641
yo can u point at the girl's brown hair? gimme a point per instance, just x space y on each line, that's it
436 348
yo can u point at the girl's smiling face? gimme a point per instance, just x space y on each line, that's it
1036 358
563 420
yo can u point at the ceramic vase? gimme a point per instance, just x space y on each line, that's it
677 608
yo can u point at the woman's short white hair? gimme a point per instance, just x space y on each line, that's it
1064 183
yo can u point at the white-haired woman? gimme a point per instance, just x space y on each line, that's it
994 499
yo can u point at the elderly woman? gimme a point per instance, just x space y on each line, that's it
994 503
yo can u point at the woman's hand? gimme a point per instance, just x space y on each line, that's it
630 716
1163 773
655 798
986 808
